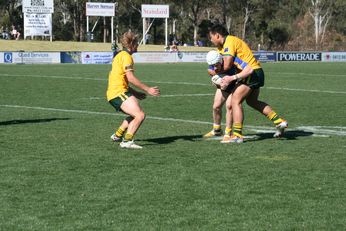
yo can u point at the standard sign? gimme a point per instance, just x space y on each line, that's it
100 9
299 56
155 11
38 6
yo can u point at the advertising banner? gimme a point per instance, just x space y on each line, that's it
334 57
31 57
299 56
191 57
38 6
97 57
1 57
154 57
264 57
155 11
71 57
37 25
100 9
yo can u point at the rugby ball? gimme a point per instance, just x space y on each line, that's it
216 79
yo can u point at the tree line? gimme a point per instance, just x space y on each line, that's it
264 24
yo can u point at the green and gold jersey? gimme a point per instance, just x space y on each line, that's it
243 56
117 81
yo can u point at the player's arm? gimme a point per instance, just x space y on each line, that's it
154 91
137 94
226 80
227 63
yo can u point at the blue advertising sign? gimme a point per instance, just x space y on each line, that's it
264 57
71 57
8 57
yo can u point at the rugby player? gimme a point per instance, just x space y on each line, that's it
221 97
236 52
124 98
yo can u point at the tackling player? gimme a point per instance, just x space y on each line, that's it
124 98
236 52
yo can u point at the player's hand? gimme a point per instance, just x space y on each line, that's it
154 91
225 81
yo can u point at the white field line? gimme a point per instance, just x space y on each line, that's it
166 82
161 96
300 73
320 131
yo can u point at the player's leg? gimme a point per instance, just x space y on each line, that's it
219 100
120 132
131 107
229 120
239 95
266 109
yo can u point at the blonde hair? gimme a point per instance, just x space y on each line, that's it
129 39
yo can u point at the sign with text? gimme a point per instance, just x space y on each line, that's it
100 9
155 11
32 57
265 57
97 57
334 57
299 56
38 6
37 25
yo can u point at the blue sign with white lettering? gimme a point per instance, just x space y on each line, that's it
8 57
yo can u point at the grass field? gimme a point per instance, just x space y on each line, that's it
36 45
60 171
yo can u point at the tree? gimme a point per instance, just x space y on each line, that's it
320 11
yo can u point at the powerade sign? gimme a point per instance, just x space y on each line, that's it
299 56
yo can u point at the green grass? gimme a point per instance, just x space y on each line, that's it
59 170
35 45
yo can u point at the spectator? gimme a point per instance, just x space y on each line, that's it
15 33
4 33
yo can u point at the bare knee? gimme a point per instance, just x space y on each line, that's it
140 116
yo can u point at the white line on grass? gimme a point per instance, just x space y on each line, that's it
168 82
161 96
320 131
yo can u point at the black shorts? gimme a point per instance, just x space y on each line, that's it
118 101
255 80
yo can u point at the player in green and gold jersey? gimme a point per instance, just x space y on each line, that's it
251 77
124 98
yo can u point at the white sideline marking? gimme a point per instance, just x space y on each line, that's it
168 82
161 96
305 90
300 73
319 131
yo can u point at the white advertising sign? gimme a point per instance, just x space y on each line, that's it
334 57
155 11
31 57
191 57
97 57
154 57
37 24
38 6
100 9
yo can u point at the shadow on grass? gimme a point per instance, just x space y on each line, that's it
289 135
171 139
33 121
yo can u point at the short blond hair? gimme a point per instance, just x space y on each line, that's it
129 39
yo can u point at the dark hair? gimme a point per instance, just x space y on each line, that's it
217 28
